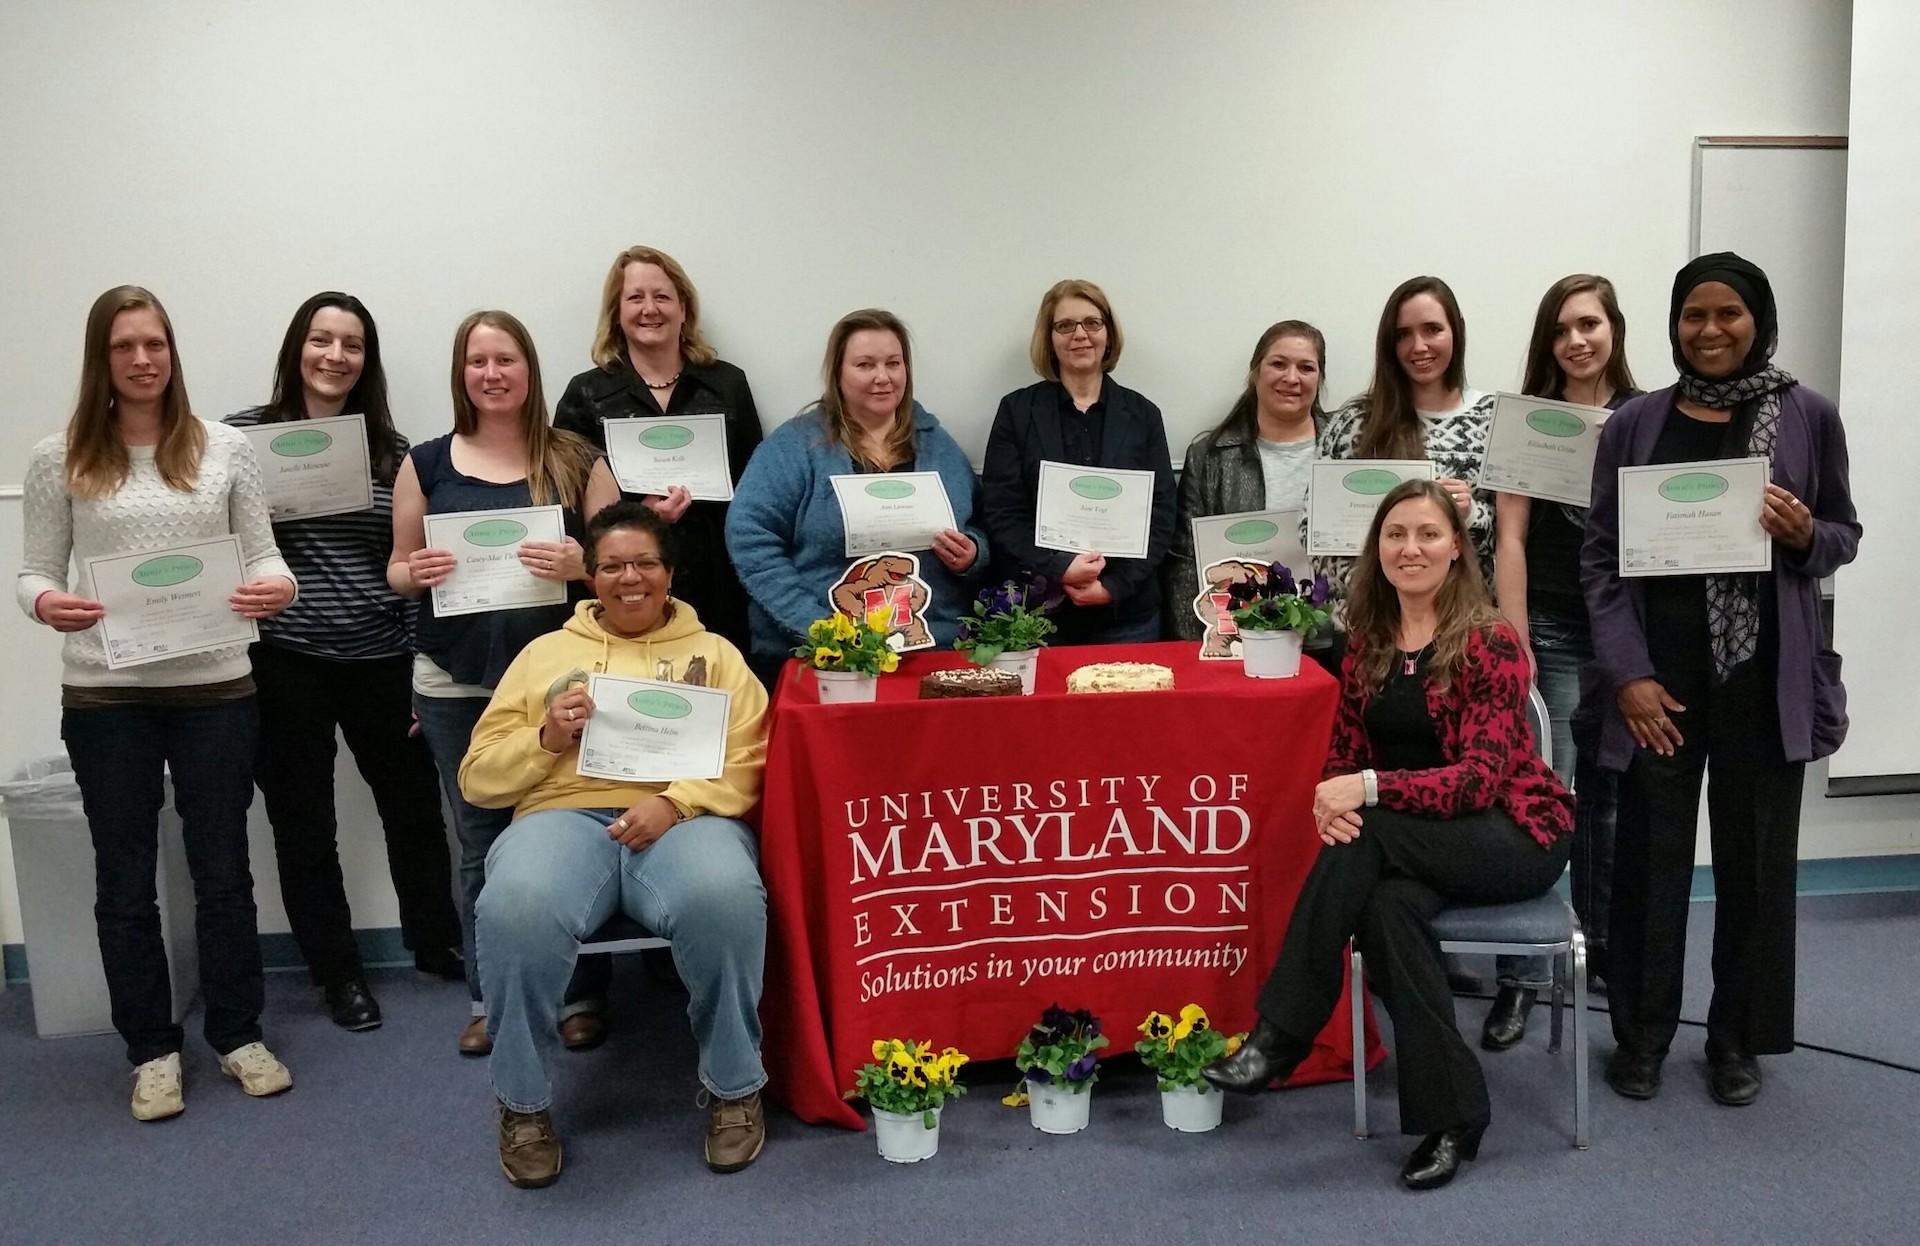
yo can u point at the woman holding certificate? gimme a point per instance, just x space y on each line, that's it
1434 793
1258 459
516 493
1576 354
791 530
163 518
653 362
1099 535
675 706
340 658
1721 666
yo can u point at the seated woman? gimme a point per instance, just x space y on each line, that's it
1434 794
673 857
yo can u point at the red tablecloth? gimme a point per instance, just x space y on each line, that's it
945 870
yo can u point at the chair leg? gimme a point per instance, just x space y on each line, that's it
1577 954
1559 1006
1359 993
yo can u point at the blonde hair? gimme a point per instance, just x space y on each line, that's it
1040 350
1373 604
558 462
97 462
839 424
610 342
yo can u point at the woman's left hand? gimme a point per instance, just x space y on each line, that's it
1786 518
561 560
649 819
1461 493
1343 793
955 550
1341 830
262 597
1094 594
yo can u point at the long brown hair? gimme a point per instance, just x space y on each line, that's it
1392 426
368 396
1543 378
558 462
1244 417
610 342
1373 604
97 462
841 429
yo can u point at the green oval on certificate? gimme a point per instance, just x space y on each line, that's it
300 443
665 437
1098 488
167 570
1693 487
1556 423
1369 480
495 532
890 490
655 703
1251 531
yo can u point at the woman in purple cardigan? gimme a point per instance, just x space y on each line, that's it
1723 673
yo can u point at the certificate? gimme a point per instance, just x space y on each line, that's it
1093 510
487 574
651 454
1694 518
314 467
892 511
1343 495
654 731
1542 449
167 603
1249 536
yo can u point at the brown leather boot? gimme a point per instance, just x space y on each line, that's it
474 1040
736 1132
529 1149
583 1031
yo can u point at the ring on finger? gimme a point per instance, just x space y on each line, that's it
619 824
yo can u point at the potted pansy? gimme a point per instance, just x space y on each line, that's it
848 656
906 1084
1176 1049
1274 616
1009 626
1057 1064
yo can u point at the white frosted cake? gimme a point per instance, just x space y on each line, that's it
1120 677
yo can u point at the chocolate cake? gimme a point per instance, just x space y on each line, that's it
969 681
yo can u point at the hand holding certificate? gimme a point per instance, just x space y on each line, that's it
1694 518
167 603
314 467
654 731
1345 493
1542 449
1093 510
487 570
653 454
887 511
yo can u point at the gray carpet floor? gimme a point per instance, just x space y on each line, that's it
387 1137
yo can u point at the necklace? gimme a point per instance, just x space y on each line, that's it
1410 662
666 384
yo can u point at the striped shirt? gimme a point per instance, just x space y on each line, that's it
345 610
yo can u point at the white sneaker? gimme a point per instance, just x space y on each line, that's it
256 1069
156 1089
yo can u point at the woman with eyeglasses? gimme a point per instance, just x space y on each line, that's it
1078 414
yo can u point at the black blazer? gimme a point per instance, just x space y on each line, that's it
1026 430
704 578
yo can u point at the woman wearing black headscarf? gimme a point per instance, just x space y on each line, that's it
1727 674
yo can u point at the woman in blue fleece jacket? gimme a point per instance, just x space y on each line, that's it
784 529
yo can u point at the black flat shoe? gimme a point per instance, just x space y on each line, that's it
1733 1077
1507 1019
1632 1075
352 1005
1437 1159
1265 1055
441 962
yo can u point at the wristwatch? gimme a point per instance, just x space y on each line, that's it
1371 782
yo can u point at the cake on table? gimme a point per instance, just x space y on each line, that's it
1120 677
969 681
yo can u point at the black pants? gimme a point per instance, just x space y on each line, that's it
302 700
1380 891
1732 738
119 754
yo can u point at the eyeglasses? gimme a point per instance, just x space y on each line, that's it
1092 324
645 566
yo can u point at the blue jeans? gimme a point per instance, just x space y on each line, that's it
554 878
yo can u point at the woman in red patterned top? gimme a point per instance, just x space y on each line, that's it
1433 794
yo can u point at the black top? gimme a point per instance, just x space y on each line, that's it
1080 431
1677 635
1554 533
1399 727
704 577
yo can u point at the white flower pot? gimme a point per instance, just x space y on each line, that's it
1270 655
904 1137
844 687
1192 1109
1056 1111
1022 662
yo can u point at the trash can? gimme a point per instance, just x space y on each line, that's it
53 865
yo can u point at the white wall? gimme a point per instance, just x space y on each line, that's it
1217 167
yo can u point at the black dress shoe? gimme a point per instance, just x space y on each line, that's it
441 962
1507 1019
1633 1075
1733 1077
1265 1055
352 1005
1437 1159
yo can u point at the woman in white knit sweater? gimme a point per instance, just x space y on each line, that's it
135 471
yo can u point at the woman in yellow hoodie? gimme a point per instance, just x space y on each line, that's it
674 857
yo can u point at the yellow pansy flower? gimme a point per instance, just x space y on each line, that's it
1235 1042
888 661
825 656
1157 1025
1193 1019
880 619
820 631
904 1070
1018 1099
843 628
